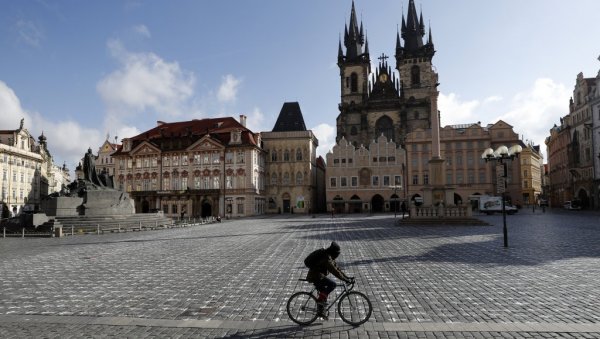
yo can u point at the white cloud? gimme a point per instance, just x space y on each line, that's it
29 33
454 111
534 111
145 83
10 108
255 121
142 30
325 133
67 140
228 89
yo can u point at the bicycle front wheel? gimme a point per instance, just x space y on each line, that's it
302 308
355 308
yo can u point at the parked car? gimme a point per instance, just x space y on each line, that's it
572 205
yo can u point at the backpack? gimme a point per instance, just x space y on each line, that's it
312 260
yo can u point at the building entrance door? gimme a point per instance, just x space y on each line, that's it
286 206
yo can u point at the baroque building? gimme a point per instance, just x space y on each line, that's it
531 173
197 168
464 172
292 178
25 167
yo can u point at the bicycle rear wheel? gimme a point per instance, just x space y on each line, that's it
355 308
302 308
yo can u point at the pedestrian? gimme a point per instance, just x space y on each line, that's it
320 263
403 208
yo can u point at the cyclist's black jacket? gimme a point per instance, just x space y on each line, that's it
325 266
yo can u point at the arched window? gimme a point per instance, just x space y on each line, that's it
385 126
298 155
299 178
286 155
354 83
415 76
273 155
353 131
274 179
286 178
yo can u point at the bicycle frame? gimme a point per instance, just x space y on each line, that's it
347 288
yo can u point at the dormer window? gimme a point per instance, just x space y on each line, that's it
235 137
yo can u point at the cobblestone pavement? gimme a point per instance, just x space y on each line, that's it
233 279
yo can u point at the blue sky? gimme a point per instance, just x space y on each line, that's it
79 70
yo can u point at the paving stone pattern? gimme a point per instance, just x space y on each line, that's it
233 279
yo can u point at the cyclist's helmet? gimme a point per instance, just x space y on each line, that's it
334 250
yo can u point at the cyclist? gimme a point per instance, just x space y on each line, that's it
320 263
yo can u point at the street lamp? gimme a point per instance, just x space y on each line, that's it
396 199
501 155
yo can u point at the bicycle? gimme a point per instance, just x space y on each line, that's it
353 307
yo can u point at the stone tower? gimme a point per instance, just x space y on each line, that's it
388 102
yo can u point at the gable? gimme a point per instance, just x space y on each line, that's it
144 148
206 143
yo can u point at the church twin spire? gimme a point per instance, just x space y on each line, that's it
412 32
354 40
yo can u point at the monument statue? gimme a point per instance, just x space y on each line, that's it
89 169
92 196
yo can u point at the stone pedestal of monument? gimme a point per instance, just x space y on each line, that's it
107 202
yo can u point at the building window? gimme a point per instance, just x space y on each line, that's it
240 157
166 183
343 182
184 183
397 180
471 177
525 184
240 205
386 180
286 155
174 209
216 183
354 181
215 158
229 158
206 157
228 182
175 184
197 183
415 179
459 178
375 181
165 160
274 179
298 155
354 82
273 155
184 160
481 177
299 178
415 76
333 182
175 160
286 178
206 183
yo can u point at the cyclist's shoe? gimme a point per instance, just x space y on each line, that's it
321 309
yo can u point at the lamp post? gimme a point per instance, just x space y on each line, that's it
396 199
500 156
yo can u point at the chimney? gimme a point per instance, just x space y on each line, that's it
160 123
243 120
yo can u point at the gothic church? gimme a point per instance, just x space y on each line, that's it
384 103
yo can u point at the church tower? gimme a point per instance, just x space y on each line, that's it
417 74
355 67
388 102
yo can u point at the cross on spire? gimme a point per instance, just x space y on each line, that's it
383 57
